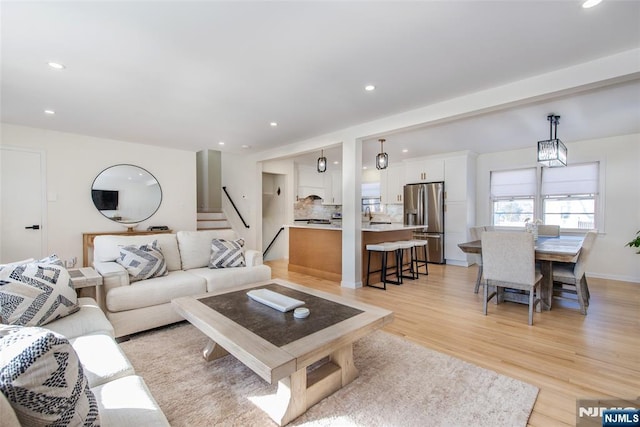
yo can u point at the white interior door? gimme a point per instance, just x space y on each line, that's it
21 204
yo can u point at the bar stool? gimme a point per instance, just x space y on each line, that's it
403 246
420 261
383 249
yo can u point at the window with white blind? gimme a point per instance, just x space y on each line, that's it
567 196
513 194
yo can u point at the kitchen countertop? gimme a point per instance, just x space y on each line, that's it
365 227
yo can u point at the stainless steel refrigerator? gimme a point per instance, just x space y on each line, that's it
424 205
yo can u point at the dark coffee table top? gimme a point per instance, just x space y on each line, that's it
275 326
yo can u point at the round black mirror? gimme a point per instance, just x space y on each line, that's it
126 194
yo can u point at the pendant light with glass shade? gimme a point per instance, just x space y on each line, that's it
552 152
322 162
382 159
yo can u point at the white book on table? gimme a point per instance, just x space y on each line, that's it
274 300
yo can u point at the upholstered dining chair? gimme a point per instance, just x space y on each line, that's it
571 278
509 262
476 234
548 230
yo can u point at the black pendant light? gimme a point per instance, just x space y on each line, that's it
322 162
552 152
382 159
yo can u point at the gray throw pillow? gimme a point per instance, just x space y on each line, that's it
227 253
52 259
143 262
34 294
43 380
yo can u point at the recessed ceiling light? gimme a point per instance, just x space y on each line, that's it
364 167
336 162
56 65
369 88
221 143
405 150
590 3
49 112
273 124
246 147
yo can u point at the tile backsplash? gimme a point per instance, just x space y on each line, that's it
314 209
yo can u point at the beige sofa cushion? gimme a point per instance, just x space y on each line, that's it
88 320
195 246
158 290
128 402
101 358
107 248
227 278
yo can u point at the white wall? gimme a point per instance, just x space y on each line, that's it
620 157
286 169
72 163
243 179
274 214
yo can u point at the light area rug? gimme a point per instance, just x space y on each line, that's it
400 384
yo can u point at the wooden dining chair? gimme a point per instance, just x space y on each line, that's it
548 230
509 262
570 278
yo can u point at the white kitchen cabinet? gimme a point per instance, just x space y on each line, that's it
332 188
460 200
310 182
452 253
391 185
308 176
459 174
424 170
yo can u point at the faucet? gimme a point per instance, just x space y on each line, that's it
367 212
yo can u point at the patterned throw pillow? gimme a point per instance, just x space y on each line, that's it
35 294
43 380
52 259
227 253
143 262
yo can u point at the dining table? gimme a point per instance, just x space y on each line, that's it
548 249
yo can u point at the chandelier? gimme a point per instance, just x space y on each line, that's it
322 162
382 159
552 152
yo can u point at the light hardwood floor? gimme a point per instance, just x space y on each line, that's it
567 355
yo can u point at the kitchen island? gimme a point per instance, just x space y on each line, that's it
316 249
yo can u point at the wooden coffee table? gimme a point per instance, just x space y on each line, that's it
279 347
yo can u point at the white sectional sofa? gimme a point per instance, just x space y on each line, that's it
123 397
146 304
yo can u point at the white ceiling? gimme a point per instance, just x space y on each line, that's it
191 74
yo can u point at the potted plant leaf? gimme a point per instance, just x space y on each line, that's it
635 243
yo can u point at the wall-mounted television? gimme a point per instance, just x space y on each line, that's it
105 200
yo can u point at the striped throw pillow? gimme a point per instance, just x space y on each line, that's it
143 262
35 294
227 253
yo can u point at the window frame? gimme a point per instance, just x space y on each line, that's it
539 198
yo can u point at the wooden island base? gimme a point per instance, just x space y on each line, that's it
318 251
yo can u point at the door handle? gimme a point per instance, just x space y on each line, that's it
33 227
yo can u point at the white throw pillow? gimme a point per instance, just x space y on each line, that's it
43 380
143 262
35 294
227 253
